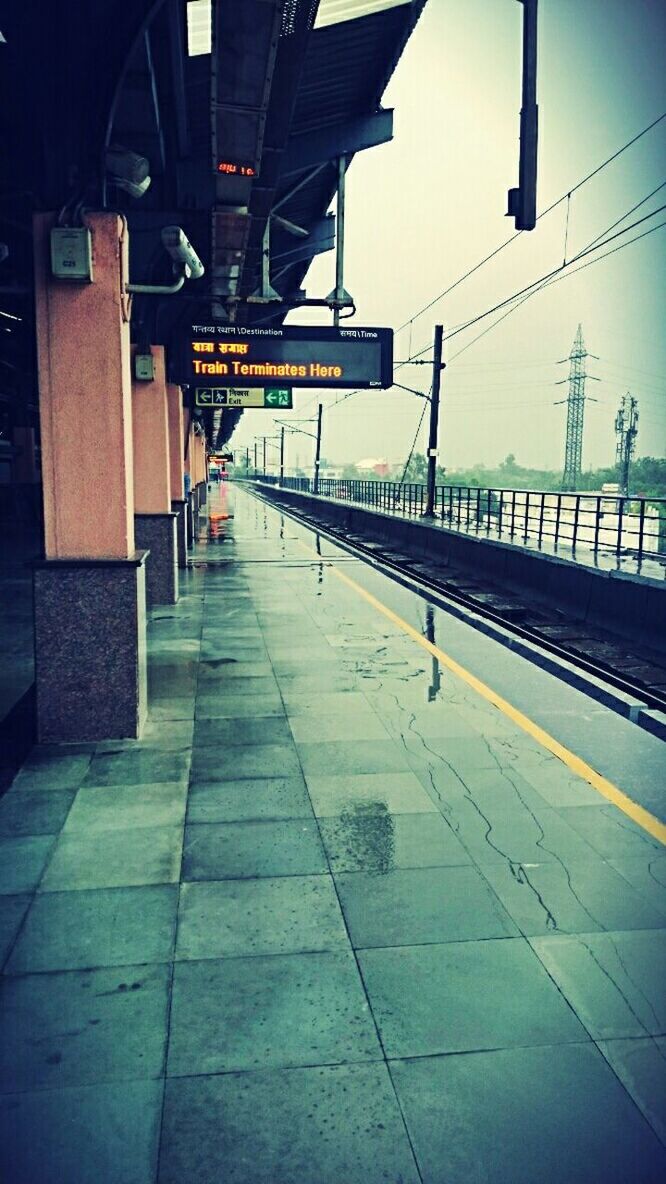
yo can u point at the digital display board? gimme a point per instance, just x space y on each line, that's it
223 355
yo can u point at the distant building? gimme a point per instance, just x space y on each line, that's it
371 464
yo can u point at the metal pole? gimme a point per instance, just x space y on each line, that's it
281 456
434 420
255 458
340 238
317 451
264 439
247 462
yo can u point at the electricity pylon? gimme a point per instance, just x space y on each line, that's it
573 451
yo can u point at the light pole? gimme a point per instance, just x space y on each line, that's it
434 421
317 451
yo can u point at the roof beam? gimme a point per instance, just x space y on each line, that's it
178 55
341 139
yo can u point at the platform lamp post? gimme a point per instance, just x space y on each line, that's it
264 440
282 456
434 421
255 458
315 488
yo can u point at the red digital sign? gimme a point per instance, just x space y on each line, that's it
233 169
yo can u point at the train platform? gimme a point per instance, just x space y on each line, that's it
373 900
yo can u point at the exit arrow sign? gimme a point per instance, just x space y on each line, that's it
278 397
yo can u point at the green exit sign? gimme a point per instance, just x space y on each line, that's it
278 396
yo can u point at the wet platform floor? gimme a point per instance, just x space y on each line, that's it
335 918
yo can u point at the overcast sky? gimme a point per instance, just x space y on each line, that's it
426 207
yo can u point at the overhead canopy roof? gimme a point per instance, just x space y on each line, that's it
239 138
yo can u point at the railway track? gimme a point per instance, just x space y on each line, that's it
639 676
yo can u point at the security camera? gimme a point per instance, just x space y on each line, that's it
134 188
181 251
125 165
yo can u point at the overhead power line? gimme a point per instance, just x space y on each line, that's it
564 197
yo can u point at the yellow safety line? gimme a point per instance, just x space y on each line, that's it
606 788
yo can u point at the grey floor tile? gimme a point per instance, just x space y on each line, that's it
316 729
82 1027
613 981
165 710
220 671
323 1125
93 928
493 832
464 755
22 862
34 813
242 731
435 720
641 1066
365 793
336 703
88 1134
115 859
559 786
610 833
318 683
525 1115
647 874
285 1010
254 760
12 912
353 758
234 850
139 767
52 772
425 904
572 898
377 841
225 706
269 916
166 735
464 996
123 807
243 801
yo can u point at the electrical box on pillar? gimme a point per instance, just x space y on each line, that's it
71 253
144 367
522 201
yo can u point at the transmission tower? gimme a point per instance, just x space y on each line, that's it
626 430
573 452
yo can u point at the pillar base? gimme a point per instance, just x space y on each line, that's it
179 508
203 492
156 533
90 648
192 514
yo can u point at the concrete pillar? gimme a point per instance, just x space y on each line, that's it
203 472
154 520
90 619
176 468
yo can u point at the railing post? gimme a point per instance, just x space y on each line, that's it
597 524
527 515
574 535
501 508
541 513
620 513
641 528
558 512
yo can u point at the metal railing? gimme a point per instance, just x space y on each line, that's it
597 522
